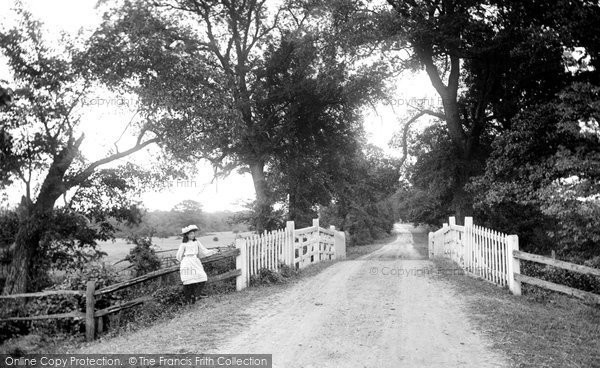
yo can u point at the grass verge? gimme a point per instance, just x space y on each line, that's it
556 331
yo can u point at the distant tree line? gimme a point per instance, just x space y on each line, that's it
164 224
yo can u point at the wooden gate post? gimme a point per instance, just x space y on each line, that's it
514 264
291 252
90 327
332 228
467 242
453 241
339 241
444 249
430 245
314 251
241 263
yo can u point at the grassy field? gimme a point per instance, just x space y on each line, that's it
119 249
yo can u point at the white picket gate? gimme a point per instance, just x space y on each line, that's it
479 251
290 247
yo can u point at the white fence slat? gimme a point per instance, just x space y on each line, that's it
478 251
495 239
482 252
488 255
261 258
503 258
268 248
496 256
252 256
467 245
470 247
492 257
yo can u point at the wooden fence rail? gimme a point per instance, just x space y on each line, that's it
93 320
43 293
495 257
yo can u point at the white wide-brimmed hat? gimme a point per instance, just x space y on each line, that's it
189 228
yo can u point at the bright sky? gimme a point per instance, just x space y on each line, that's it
104 124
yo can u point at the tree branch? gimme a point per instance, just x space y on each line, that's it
79 178
426 58
406 129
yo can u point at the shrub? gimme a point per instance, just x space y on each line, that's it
287 271
54 304
559 276
142 257
267 277
216 239
169 295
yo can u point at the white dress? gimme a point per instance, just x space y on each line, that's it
190 267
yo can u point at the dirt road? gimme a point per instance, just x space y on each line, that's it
382 310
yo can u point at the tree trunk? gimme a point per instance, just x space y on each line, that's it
33 223
466 143
263 202
299 211
27 239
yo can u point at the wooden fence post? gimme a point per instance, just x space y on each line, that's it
315 244
90 327
241 263
467 242
514 265
291 251
443 239
430 245
453 237
340 245
332 228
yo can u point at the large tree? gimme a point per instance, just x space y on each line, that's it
204 56
310 105
44 156
224 103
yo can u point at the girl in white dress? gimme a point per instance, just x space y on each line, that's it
190 268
